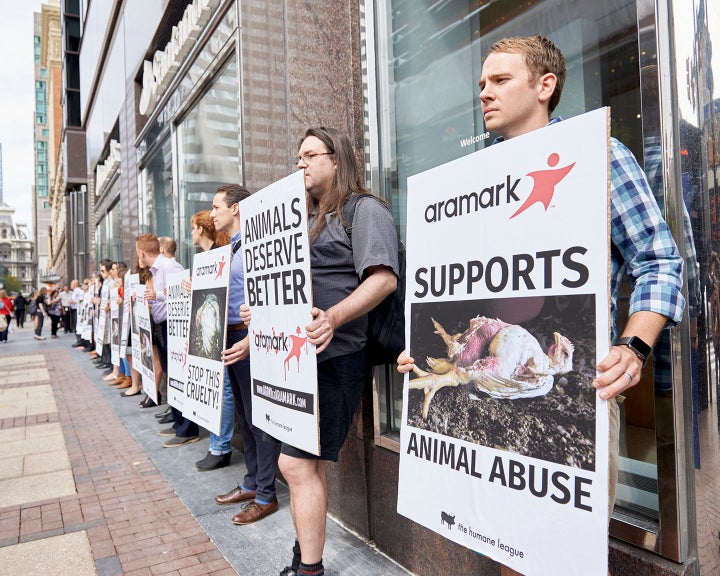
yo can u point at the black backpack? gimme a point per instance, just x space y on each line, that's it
32 307
386 322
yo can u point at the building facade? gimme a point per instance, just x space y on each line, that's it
178 97
16 249
48 126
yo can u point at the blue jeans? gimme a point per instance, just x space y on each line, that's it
221 444
124 367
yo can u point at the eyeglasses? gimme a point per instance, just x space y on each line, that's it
308 157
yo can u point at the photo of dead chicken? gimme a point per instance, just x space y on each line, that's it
512 374
207 323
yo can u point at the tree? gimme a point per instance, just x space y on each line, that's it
12 284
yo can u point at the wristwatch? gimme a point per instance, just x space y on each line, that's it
641 349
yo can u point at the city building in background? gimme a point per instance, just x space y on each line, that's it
163 101
16 251
48 122
1 175
16 246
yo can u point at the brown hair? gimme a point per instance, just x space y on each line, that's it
148 243
541 57
348 178
234 193
203 220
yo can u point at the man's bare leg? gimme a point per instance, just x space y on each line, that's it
307 481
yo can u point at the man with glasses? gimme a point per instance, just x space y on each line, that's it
349 278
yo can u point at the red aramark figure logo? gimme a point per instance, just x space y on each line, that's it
221 265
545 182
297 345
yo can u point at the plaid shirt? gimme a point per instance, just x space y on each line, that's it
641 243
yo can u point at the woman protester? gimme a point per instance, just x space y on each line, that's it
54 310
6 308
40 313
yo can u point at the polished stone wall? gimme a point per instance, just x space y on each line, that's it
300 67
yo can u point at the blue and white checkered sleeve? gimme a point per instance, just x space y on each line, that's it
643 238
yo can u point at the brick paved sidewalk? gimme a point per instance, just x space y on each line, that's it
120 504
86 487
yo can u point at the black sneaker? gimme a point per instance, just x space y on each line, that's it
288 571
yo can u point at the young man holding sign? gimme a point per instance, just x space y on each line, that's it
258 486
521 83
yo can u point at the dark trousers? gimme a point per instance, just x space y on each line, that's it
260 455
72 313
183 426
54 322
67 320
20 317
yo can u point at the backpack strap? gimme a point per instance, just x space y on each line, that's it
348 211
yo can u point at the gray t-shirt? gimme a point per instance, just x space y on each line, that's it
337 268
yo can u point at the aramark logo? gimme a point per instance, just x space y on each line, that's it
291 343
221 265
545 182
502 193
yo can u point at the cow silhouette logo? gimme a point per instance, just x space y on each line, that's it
445 518
267 417
545 182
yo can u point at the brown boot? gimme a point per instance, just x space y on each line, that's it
119 380
126 383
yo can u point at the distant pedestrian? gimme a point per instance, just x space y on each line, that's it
6 307
54 310
20 306
40 313
65 303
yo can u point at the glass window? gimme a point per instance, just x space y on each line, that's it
156 209
108 235
429 59
208 151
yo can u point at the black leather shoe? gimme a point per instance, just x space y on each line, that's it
163 413
166 419
213 462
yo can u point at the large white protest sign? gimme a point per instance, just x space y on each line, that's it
130 281
145 344
504 441
178 325
283 366
133 283
89 315
114 327
101 321
204 371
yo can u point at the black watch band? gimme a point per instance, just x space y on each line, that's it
641 349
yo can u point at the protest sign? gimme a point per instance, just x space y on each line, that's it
276 256
114 327
131 280
144 344
204 371
178 325
507 317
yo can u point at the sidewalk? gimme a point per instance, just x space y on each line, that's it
86 487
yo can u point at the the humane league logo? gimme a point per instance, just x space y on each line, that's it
503 193
292 344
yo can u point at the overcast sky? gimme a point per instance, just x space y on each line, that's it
17 95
